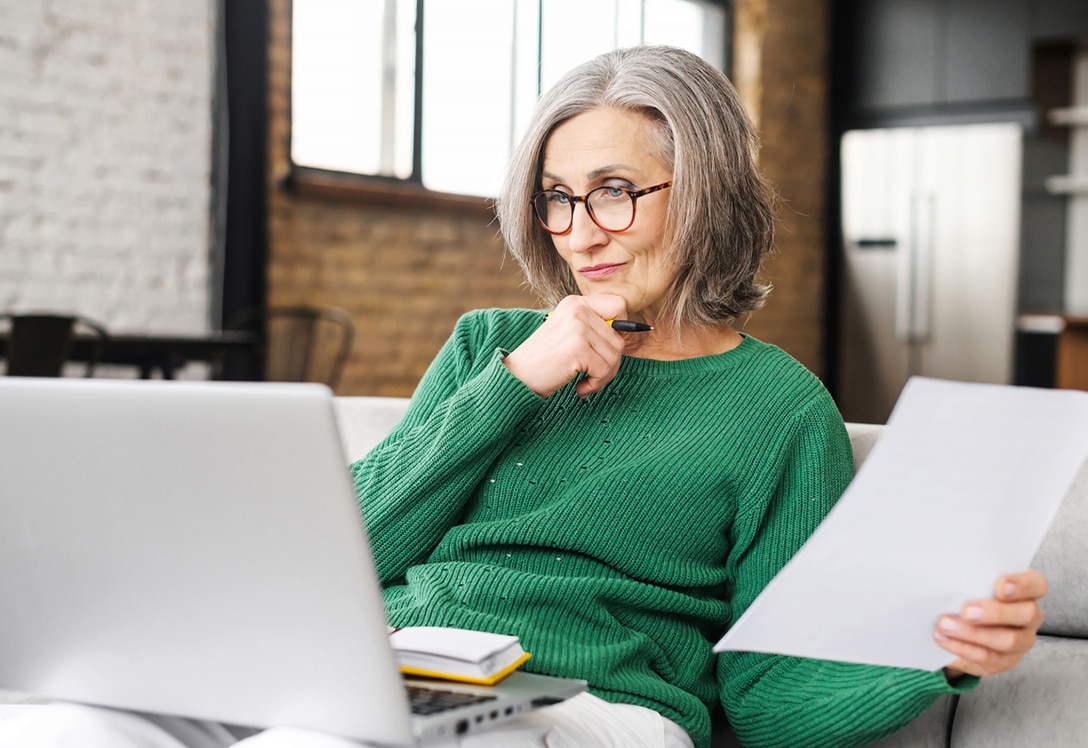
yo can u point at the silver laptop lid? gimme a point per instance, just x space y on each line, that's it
135 517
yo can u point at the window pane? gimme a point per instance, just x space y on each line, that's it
628 23
467 94
526 67
691 24
574 31
401 132
350 111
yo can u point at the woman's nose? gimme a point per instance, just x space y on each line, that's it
585 234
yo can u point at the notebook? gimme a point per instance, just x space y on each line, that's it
195 548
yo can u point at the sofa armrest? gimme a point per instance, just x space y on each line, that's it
364 421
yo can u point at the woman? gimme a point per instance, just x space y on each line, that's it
617 499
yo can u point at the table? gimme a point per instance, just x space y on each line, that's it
166 352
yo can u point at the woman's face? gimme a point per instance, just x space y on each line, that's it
612 147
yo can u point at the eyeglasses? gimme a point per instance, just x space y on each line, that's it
611 208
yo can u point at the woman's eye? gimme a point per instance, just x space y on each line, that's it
609 192
559 198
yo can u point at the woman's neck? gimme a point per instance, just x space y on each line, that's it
668 345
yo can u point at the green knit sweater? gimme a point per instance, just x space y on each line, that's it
620 535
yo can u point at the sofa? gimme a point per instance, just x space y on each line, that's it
1044 701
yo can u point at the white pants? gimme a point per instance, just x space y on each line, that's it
584 721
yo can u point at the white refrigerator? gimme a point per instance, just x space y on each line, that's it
931 234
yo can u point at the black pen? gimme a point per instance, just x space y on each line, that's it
626 325
621 325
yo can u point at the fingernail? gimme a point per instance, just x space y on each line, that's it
949 624
1010 589
973 613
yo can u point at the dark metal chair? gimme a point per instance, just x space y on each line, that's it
40 344
300 343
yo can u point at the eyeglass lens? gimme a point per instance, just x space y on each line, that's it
611 208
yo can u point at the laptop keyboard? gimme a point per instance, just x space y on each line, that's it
425 700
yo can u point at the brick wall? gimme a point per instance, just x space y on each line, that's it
105 152
406 272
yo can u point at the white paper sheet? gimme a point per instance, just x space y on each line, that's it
959 489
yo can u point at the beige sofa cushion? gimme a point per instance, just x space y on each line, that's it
1063 558
364 421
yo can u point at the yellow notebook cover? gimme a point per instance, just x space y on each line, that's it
456 654
490 681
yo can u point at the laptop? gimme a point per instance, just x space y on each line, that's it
195 548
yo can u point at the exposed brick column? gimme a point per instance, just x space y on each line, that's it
780 69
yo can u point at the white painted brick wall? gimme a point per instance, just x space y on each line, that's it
105 160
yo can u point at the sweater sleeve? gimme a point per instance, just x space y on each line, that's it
413 486
774 700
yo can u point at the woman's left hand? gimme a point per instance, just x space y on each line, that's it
991 636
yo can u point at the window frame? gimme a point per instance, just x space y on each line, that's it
390 191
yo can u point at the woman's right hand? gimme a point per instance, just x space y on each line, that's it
575 339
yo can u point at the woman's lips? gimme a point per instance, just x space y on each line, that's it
599 272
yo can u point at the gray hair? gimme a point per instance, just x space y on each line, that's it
720 222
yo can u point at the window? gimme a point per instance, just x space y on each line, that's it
443 107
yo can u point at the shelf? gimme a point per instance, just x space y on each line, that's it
1050 324
1075 116
1067 185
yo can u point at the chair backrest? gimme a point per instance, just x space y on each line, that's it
301 343
39 344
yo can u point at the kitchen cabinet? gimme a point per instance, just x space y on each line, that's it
935 54
1073 354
